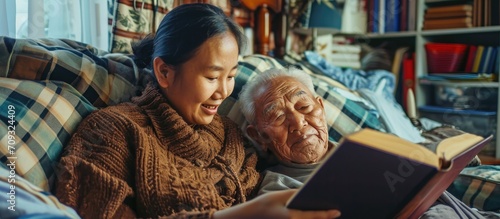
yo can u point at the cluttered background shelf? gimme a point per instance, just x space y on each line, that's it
416 31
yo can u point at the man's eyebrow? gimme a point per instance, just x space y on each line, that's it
299 94
271 107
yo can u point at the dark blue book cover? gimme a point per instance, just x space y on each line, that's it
492 60
392 15
497 65
375 15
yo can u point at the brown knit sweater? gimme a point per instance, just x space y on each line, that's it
141 159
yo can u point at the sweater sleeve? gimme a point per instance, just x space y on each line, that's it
93 174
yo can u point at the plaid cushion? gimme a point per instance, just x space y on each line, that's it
103 78
478 187
343 115
38 118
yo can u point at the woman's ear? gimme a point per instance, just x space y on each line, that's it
163 72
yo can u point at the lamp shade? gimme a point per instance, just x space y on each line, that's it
322 14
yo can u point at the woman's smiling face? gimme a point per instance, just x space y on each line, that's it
197 87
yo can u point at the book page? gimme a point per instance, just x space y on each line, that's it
453 146
395 145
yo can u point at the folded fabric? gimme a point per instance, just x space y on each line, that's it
393 117
478 187
448 206
21 199
374 80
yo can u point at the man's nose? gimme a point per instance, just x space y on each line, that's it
297 121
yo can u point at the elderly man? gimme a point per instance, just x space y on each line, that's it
286 117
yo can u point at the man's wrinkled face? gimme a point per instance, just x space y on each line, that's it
290 121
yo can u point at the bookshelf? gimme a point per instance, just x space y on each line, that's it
484 35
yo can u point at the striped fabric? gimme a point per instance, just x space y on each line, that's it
103 78
343 115
37 120
478 187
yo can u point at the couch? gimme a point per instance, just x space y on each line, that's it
47 86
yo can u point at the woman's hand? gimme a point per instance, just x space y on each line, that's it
272 205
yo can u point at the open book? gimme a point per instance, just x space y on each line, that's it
379 175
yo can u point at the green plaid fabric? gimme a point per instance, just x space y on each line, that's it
102 78
343 115
478 187
38 118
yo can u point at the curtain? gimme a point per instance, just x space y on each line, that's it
96 23
7 18
80 20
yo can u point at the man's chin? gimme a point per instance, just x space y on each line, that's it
309 158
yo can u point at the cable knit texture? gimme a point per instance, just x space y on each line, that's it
141 159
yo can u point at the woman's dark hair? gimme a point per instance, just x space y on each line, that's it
181 33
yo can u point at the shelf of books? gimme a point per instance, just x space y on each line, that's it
448 53
398 18
459 44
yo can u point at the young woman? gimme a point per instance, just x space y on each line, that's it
168 152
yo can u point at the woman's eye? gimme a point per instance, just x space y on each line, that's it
212 78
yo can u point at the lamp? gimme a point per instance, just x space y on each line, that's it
322 17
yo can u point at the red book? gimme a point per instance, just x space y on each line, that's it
470 58
408 78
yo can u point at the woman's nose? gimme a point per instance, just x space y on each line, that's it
222 91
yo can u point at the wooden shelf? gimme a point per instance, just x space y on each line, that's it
460 84
402 34
488 160
454 31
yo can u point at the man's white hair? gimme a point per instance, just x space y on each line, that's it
249 91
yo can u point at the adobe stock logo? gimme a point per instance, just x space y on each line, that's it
11 157
405 169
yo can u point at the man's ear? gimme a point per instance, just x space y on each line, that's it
254 134
320 100
164 73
